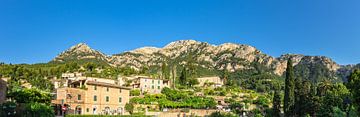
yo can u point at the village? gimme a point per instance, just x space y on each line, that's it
76 94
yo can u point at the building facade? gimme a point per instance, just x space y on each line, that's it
150 85
92 96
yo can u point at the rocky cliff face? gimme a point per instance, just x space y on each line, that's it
79 52
229 56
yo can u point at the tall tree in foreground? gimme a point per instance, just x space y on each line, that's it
354 87
289 89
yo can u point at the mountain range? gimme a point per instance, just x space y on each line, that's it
228 56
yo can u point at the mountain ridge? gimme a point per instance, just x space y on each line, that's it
229 56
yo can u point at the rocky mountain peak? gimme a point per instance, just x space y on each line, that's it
81 47
80 51
181 43
146 50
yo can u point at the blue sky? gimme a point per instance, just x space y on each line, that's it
34 31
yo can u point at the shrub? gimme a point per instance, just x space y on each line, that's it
135 92
129 107
39 110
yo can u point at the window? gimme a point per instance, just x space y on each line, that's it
107 89
158 87
87 109
107 99
120 99
95 88
153 81
145 86
79 97
152 87
158 81
95 98
120 90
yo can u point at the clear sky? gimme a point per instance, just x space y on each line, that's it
34 31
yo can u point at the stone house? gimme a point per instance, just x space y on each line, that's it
92 96
150 85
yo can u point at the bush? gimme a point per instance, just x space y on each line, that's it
129 107
30 95
135 92
39 110
174 95
262 101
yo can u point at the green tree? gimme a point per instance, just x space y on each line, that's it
29 96
314 101
192 82
190 66
225 74
289 90
303 98
35 109
183 77
135 92
276 104
354 87
129 107
165 73
297 94
90 66
333 98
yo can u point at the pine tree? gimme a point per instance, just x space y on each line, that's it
289 90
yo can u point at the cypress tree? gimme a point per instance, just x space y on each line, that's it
298 93
289 90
